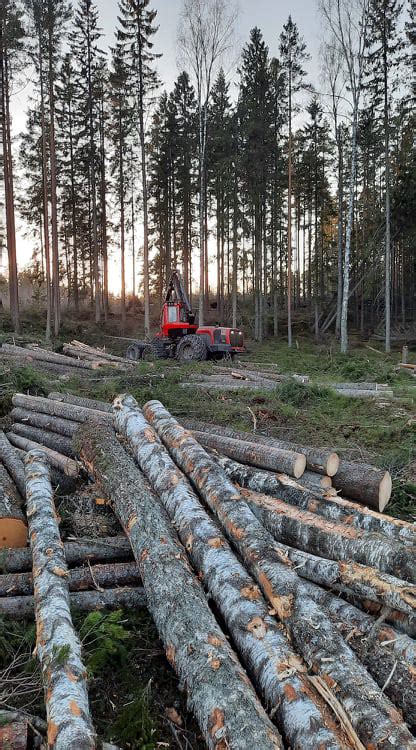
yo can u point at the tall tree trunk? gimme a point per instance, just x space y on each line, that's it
73 212
122 226
103 191
340 228
289 222
92 154
387 194
142 138
235 256
350 222
45 195
56 302
8 184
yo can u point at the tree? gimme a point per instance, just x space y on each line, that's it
204 37
385 46
11 44
347 22
293 54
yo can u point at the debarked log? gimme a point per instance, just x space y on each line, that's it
77 552
12 463
89 403
13 526
333 508
257 455
367 484
312 533
320 460
67 465
260 642
57 645
64 427
22 607
372 715
106 575
58 409
220 694
57 443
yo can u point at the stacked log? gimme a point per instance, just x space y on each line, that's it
13 526
68 466
12 463
220 694
107 575
372 715
106 549
364 483
57 443
237 597
65 427
89 403
59 409
87 351
44 355
57 645
131 597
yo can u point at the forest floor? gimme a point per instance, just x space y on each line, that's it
133 690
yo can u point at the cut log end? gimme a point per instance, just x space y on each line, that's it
385 489
332 464
13 533
299 465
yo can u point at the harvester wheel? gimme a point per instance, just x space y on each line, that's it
191 348
159 349
135 351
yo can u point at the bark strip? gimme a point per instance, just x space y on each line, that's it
261 644
57 645
13 527
12 463
312 533
22 607
333 508
58 409
64 427
271 458
79 579
220 694
320 460
67 465
106 549
374 718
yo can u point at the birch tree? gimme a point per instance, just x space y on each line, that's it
204 36
347 23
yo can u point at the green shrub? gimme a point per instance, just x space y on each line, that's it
136 726
296 394
104 637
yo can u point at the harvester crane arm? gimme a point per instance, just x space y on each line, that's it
176 285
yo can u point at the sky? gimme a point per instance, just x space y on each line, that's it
268 15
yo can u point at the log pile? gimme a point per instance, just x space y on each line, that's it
312 596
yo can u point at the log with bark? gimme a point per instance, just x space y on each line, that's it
89 403
52 440
12 463
58 409
13 527
22 607
220 694
367 484
362 386
81 356
44 355
312 533
77 552
101 353
271 458
333 508
67 465
360 393
13 733
374 718
108 575
262 646
56 369
321 460
63 484
209 385
64 427
314 481
57 645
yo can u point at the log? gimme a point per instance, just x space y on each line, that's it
367 484
89 403
297 708
320 460
39 724
78 551
226 386
59 370
101 353
46 356
12 463
51 440
334 508
80 355
13 527
57 645
312 533
220 694
13 734
63 484
57 409
67 465
373 717
362 386
107 575
360 393
22 607
271 458
45 422
314 481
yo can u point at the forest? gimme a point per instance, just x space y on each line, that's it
278 200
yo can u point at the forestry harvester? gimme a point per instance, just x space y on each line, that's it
179 336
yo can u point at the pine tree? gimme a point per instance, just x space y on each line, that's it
292 57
